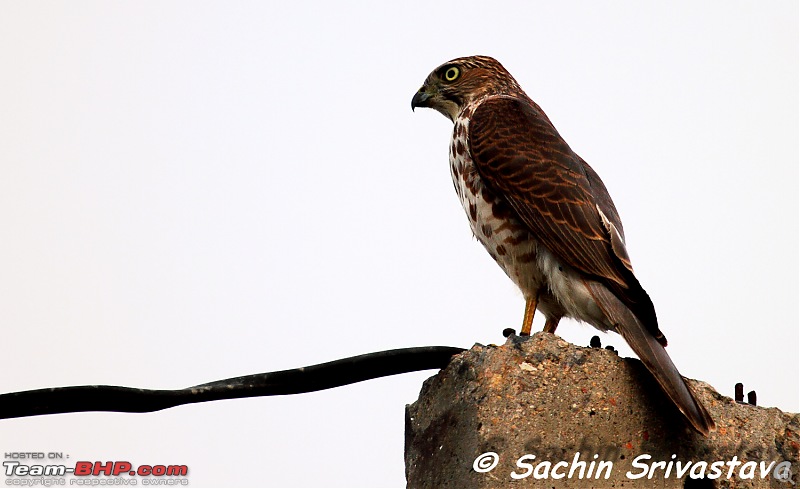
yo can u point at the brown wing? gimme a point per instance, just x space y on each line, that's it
521 157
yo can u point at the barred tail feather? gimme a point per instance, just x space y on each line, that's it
654 357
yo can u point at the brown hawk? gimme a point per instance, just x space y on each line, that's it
545 216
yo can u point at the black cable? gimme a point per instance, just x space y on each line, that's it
305 379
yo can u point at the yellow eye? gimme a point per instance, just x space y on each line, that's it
452 73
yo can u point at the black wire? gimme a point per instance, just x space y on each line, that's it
305 379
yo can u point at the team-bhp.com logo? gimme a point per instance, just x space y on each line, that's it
21 469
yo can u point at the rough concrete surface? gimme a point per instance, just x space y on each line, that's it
541 396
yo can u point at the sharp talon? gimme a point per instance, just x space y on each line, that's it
508 332
594 342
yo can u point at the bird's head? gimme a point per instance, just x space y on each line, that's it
453 85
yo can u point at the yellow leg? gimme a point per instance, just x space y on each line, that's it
550 325
527 321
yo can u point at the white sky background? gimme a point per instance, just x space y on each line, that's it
191 191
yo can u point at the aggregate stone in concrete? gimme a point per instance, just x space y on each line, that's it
583 417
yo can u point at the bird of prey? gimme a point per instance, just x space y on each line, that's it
545 216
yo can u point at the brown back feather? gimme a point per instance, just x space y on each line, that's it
520 156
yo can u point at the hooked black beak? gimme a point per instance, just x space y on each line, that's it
420 99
